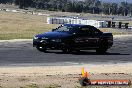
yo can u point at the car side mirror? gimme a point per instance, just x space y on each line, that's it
53 29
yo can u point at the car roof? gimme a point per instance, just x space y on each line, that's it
80 25
74 25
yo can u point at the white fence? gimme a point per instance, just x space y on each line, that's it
25 12
70 20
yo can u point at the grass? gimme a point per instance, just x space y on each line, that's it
25 26
22 26
116 31
37 86
53 86
31 86
22 79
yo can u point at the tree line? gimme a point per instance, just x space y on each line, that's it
85 6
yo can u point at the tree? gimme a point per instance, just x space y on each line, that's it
87 6
6 1
23 3
114 8
107 8
123 5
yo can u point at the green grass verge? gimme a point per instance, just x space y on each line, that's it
22 26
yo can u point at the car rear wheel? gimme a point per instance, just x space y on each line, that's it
103 47
101 50
77 50
41 48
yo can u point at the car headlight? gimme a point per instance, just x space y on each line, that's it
56 40
35 37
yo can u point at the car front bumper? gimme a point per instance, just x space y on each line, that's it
48 44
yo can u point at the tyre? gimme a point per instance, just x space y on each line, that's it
41 48
102 47
101 50
77 50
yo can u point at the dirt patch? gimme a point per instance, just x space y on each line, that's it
60 76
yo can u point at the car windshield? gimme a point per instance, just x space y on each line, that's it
70 29
78 29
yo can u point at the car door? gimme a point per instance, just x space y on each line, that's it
87 38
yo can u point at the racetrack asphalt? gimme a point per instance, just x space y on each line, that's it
22 53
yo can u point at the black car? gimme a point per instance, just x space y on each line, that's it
74 37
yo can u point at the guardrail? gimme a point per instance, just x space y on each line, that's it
26 12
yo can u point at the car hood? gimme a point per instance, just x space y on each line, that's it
54 35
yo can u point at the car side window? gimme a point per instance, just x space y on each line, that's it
62 28
86 30
89 31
